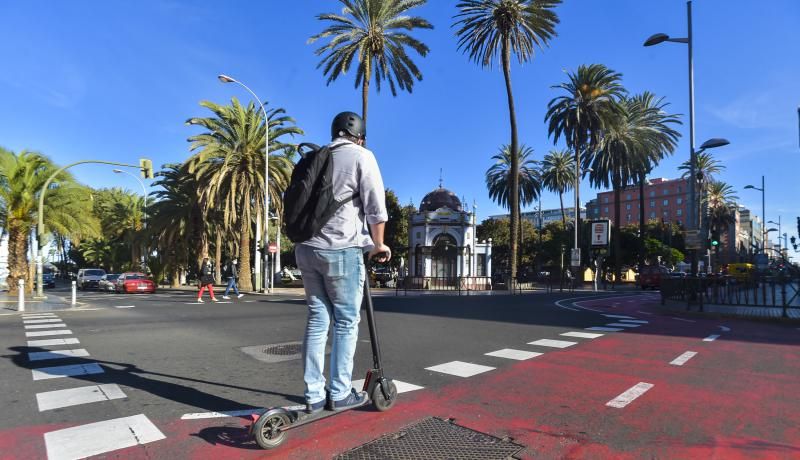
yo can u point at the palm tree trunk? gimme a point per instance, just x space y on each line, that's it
245 275
641 222
17 256
365 93
563 213
514 194
577 191
218 255
617 249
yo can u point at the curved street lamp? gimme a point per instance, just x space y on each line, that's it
763 211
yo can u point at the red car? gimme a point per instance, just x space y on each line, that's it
651 275
134 282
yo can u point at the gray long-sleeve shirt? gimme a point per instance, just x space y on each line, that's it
354 170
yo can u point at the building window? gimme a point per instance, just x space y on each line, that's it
652 203
679 222
652 193
419 235
652 214
666 203
628 196
666 191
679 189
679 200
605 199
628 217
679 212
605 210
628 206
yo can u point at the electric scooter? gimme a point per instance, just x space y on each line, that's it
271 427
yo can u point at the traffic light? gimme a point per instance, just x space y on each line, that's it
714 239
146 168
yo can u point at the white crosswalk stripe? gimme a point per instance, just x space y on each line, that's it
100 437
460 369
42 321
58 354
45 373
553 343
46 333
604 329
509 353
583 335
50 400
52 342
44 326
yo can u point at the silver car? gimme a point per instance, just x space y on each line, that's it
89 278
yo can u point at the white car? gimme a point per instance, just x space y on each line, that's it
89 278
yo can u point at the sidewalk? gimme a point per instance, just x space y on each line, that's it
51 303
734 311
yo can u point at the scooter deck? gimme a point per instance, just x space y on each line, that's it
299 417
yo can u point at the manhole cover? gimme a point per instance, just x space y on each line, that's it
277 352
434 438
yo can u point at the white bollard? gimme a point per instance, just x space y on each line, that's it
74 288
21 287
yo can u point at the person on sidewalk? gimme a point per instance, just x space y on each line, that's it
206 280
232 272
332 263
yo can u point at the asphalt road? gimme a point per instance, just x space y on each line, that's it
161 364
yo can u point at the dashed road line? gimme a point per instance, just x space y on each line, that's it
57 354
711 338
50 400
100 437
629 395
583 335
46 333
460 368
638 321
510 353
725 328
644 312
51 342
45 373
604 329
619 316
684 320
553 343
124 306
622 325
681 360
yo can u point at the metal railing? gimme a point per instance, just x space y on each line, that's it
459 284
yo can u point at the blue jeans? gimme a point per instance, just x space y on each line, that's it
231 284
334 283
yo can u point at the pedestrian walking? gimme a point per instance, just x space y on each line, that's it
232 273
332 260
206 280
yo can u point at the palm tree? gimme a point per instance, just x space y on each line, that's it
375 33
720 199
22 177
638 136
708 167
498 177
583 113
229 165
558 175
122 216
490 29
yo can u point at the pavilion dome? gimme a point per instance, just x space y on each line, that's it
440 198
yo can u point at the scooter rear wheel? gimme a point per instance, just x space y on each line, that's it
380 401
268 429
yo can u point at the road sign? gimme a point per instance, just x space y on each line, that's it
692 239
575 258
273 248
600 232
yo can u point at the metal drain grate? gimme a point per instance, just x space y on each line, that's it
284 349
277 352
433 438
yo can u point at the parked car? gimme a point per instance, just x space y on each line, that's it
89 278
650 276
109 282
135 282
48 280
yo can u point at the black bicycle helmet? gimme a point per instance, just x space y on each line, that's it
348 123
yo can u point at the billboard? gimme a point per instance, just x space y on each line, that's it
600 233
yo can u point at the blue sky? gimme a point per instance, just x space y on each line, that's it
114 80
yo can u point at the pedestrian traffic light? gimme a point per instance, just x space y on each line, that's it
146 168
714 239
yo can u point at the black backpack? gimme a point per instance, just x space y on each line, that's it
308 202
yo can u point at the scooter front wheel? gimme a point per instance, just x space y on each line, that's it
379 400
269 428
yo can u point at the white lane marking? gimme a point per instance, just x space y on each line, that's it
100 437
45 373
604 329
725 328
230 413
583 335
39 315
553 343
558 304
45 333
193 303
622 325
42 321
57 354
629 395
45 326
619 316
644 312
460 369
711 338
510 353
50 400
681 360
124 306
640 321
402 387
684 320
50 342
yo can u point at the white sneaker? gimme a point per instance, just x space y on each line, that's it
214 300
240 296
199 300
225 297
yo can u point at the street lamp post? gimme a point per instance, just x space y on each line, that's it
655 39
778 223
763 213
226 79
144 204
